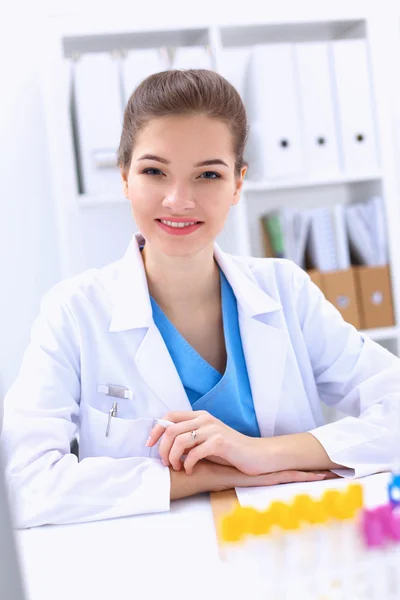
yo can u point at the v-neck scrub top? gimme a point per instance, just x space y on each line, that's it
228 397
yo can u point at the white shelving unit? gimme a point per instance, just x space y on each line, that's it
96 229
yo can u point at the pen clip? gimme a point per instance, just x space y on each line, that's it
111 413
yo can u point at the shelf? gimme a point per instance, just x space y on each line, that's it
134 40
382 333
246 35
267 186
91 201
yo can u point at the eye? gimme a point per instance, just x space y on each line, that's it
210 175
152 171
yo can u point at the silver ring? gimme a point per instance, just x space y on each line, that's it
194 436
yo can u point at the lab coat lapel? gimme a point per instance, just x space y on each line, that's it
132 312
265 343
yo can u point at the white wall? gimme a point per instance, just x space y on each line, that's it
28 244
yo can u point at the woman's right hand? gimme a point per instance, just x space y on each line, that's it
212 477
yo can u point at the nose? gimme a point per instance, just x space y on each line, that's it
179 198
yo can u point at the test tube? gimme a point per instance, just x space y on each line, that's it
394 483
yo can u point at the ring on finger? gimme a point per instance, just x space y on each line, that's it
193 435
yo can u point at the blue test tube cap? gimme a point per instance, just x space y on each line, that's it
394 489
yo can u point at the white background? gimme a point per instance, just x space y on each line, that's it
29 261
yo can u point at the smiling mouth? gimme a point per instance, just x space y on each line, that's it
178 225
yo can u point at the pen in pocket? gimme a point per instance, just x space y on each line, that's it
111 413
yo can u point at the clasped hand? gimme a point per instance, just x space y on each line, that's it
214 441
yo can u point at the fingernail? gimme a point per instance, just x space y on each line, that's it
320 475
148 441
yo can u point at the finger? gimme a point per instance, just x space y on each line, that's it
330 475
170 435
291 477
184 415
155 434
219 461
198 453
181 444
170 432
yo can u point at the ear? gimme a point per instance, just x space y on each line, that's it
125 188
238 185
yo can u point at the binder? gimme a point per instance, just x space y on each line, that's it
341 238
191 57
315 85
355 105
98 114
329 246
273 104
137 65
287 234
322 245
367 231
234 66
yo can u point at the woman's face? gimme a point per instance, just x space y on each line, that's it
181 182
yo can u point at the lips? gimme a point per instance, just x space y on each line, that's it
179 226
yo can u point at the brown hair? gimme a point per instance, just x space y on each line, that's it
192 91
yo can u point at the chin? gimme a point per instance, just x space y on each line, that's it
180 247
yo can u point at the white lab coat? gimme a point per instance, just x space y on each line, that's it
97 328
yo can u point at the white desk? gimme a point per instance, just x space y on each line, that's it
167 555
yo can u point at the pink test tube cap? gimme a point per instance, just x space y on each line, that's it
373 530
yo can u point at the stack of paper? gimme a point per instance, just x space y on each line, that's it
329 246
367 234
287 231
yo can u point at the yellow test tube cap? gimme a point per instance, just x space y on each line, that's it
332 501
355 495
319 513
231 528
274 511
248 517
290 518
303 504
263 522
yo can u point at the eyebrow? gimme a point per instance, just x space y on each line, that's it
203 163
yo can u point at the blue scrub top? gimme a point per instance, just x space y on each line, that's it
228 397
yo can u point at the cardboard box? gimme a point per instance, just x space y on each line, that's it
341 290
316 277
375 293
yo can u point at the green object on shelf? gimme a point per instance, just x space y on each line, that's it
272 224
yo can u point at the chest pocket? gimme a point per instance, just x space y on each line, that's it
126 438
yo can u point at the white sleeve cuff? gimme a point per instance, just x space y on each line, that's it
358 446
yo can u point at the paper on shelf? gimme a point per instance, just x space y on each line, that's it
367 233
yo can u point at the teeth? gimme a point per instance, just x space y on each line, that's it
174 224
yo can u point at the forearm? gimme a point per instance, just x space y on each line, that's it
206 477
300 451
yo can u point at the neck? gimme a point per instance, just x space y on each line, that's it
176 281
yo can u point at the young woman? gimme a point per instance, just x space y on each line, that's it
237 353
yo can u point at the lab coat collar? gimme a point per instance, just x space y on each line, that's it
132 308
251 299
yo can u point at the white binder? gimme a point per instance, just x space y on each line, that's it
320 136
191 57
273 103
98 109
234 66
329 246
355 105
137 65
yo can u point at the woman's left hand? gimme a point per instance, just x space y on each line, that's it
199 435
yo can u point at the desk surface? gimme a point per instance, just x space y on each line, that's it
165 555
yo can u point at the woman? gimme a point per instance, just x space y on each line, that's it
236 352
